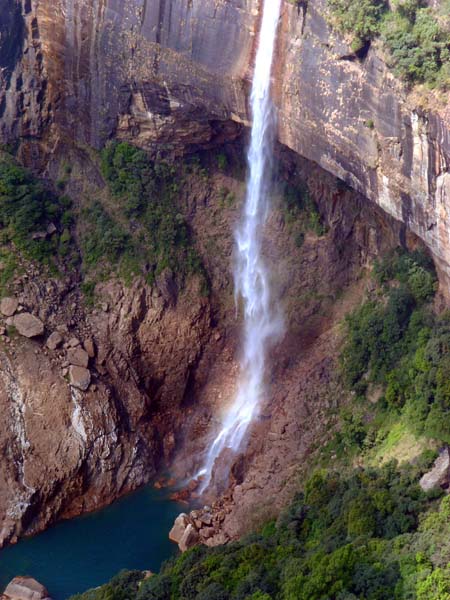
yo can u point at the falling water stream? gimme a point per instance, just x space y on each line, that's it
262 324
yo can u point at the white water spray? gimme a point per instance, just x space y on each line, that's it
261 323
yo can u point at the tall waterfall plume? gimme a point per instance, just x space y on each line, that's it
262 323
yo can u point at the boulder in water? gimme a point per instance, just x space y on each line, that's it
189 539
25 588
179 527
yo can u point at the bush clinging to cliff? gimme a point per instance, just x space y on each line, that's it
416 37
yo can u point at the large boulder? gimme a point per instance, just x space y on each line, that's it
28 325
179 527
439 476
25 588
189 539
8 306
79 377
54 340
78 357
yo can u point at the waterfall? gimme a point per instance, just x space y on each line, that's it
261 322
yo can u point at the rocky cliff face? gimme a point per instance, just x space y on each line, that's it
170 74
66 450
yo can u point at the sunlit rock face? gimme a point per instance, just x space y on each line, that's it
170 74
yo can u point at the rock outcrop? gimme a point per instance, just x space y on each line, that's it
25 588
439 475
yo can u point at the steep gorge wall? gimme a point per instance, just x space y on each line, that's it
170 74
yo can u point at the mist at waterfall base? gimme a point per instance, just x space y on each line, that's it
85 552
262 323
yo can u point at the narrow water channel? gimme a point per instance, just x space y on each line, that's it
85 552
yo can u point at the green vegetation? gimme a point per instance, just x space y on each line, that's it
362 18
397 342
27 209
143 231
417 37
368 534
123 586
301 213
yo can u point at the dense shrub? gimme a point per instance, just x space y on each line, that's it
399 343
419 46
27 208
144 232
362 18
